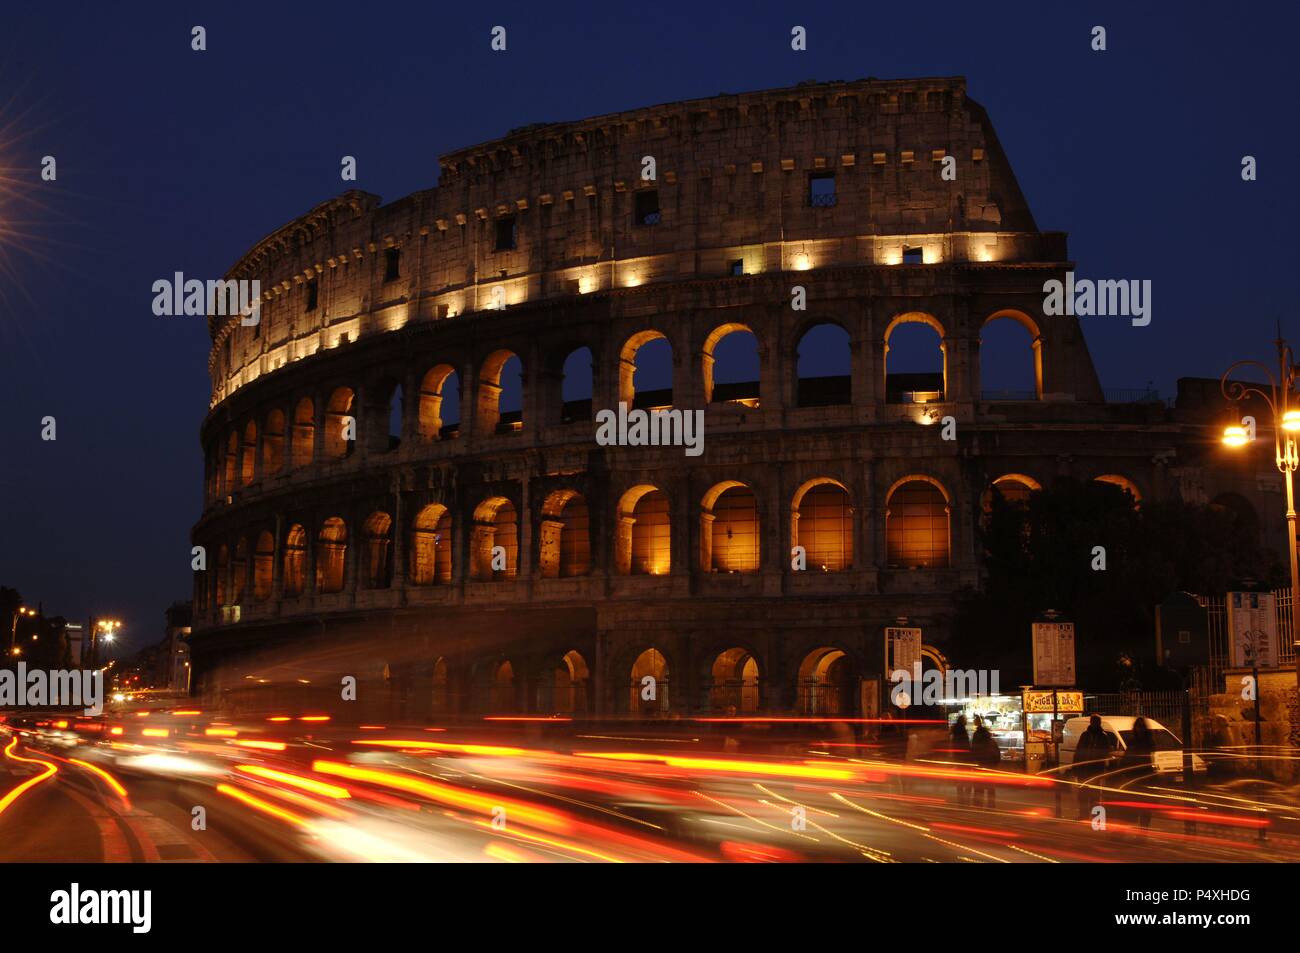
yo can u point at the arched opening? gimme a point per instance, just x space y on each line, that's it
331 554
273 443
734 689
223 576
503 688
494 545
230 472
645 371
1013 488
565 536
916 525
576 386
340 424
649 689
826 684
441 701
439 411
500 393
1123 482
263 566
396 414
643 542
571 680
729 529
248 461
431 546
378 533
915 366
304 433
731 366
239 573
821 521
1010 358
295 561
824 367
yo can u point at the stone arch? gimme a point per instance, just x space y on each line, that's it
1013 487
734 683
377 533
303 441
223 576
491 417
263 566
918 524
340 410
496 523
628 392
643 541
273 443
730 528
434 418
1242 511
577 383
239 572
431 546
248 454
826 683
649 699
1035 356
1123 482
821 521
295 561
572 685
726 368
920 386
503 687
565 535
814 348
230 468
331 555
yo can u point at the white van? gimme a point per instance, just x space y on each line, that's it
1168 754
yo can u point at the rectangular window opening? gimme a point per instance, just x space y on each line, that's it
392 264
821 189
647 207
913 255
507 234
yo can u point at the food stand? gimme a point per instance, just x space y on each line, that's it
1045 711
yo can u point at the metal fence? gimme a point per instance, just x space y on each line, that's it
1164 707
1216 616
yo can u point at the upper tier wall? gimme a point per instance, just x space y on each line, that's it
732 176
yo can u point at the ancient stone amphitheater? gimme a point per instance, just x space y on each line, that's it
403 481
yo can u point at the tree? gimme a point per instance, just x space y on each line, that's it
1040 555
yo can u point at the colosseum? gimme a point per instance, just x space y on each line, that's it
403 480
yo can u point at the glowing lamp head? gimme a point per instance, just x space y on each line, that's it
1291 421
1235 436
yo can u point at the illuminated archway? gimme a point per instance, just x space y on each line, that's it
295 561
431 546
340 424
643 541
331 555
821 521
917 524
649 688
734 689
826 683
378 534
730 366
273 443
729 529
1005 348
303 442
918 382
495 525
646 380
1123 482
263 566
565 535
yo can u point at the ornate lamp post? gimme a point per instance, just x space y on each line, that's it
1284 405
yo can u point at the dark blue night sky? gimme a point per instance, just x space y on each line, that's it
171 160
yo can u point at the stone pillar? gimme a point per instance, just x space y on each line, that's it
277 561
548 548
399 537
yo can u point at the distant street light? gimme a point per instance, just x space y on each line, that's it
1284 405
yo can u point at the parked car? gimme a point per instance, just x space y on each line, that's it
1168 754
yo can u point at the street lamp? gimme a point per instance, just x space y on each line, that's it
1284 405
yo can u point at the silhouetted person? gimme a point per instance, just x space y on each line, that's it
959 750
1141 746
1090 760
985 752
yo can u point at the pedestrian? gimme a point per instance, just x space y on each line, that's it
1222 766
959 749
1138 755
1090 759
985 752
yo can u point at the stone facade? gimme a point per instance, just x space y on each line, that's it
550 240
